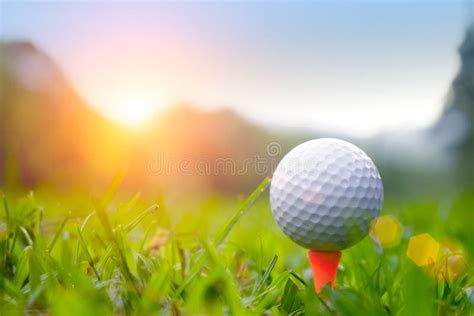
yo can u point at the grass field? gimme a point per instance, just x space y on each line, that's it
65 254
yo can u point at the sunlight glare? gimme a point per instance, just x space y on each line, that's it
132 109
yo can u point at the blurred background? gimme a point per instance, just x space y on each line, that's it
193 97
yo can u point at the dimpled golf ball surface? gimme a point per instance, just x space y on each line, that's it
325 193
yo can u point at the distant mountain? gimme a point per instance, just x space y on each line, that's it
219 148
48 134
46 130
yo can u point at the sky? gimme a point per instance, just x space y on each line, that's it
353 67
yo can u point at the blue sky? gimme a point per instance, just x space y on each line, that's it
355 67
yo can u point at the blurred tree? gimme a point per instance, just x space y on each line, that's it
459 112
455 128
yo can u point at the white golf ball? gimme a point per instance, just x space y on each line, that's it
325 193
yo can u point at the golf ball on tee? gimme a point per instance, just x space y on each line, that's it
325 193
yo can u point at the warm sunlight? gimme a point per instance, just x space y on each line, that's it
133 108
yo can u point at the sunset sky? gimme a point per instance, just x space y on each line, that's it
352 67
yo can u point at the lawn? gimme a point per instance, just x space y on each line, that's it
70 254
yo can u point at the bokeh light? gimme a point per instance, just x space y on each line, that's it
452 260
386 231
423 249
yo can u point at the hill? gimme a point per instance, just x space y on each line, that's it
50 135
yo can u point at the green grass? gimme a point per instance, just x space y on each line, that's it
65 254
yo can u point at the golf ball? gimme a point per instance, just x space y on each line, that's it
325 193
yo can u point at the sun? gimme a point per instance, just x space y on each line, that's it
135 110
131 108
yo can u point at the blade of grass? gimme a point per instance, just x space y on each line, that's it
86 220
127 229
130 226
112 188
56 235
15 237
323 303
22 268
245 206
132 202
266 275
297 277
7 221
81 230
290 301
89 257
101 205
27 235
193 273
145 237
224 233
9 288
34 275
101 264
5 207
277 282
104 220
